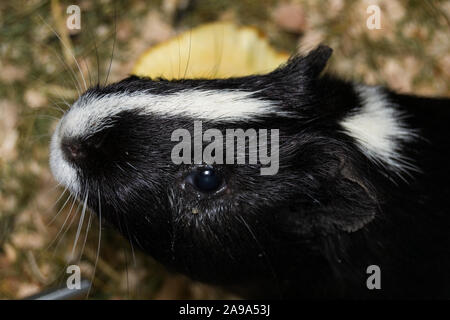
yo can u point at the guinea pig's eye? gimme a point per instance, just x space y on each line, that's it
206 179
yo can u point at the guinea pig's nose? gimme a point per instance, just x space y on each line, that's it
73 150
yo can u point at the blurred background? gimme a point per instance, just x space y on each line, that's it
410 53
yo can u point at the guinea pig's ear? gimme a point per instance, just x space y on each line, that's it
346 201
306 67
353 203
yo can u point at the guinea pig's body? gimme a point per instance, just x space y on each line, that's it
362 180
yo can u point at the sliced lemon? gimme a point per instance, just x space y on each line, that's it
216 50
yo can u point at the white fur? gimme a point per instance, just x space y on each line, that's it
62 170
379 128
90 112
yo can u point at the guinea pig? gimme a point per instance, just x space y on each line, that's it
361 180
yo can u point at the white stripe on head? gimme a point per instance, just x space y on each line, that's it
379 129
90 112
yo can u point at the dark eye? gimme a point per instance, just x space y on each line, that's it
206 180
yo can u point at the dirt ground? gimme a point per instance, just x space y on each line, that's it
410 53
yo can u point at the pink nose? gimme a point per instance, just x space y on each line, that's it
73 150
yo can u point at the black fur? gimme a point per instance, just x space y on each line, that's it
309 231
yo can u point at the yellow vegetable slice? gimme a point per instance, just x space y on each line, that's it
216 50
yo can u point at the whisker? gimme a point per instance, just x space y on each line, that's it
83 60
114 44
67 229
92 36
59 198
131 244
218 49
64 223
126 268
80 224
99 240
56 107
189 54
36 138
179 57
65 102
41 116
85 236
67 48
72 73
59 211
128 163
121 169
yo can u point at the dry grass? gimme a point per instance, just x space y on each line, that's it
411 54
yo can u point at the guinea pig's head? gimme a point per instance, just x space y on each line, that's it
218 222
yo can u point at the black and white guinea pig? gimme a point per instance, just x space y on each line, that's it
363 179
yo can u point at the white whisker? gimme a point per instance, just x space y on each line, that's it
67 48
99 240
59 235
80 224
60 210
85 236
